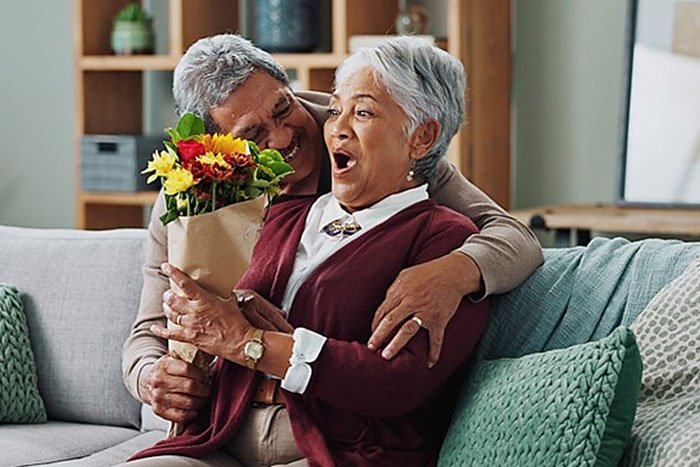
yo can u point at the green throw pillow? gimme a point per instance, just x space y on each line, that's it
20 401
569 407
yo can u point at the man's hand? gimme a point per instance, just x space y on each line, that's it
431 291
174 389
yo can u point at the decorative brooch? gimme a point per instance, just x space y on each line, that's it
336 228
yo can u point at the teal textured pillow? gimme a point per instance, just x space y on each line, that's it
568 407
20 401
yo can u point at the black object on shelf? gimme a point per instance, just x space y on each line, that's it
287 25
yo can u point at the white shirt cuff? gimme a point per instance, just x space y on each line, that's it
306 349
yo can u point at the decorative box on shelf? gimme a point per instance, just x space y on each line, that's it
115 162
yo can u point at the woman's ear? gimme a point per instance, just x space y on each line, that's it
424 137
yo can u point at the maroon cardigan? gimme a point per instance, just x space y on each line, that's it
358 409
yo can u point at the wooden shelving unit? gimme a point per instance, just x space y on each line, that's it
109 94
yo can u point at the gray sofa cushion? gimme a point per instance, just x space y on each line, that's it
22 445
116 454
81 294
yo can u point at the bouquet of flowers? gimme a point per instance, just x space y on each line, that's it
216 191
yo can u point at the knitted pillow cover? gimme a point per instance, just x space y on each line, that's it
568 407
666 430
20 401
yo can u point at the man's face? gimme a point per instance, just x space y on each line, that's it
265 111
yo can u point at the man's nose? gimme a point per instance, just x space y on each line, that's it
279 137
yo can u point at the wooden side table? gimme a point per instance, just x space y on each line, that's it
581 220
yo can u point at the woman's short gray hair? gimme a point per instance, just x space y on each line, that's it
425 81
214 67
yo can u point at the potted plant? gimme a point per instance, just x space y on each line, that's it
132 32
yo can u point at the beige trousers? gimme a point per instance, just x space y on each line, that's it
265 440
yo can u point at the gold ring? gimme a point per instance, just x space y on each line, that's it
418 321
179 318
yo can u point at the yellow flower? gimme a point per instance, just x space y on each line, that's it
223 144
177 181
211 158
182 203
161 165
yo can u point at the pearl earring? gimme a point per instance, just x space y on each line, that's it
411 173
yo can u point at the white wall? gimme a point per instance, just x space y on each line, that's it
567 95
37 143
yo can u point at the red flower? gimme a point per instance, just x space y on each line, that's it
199 170
189 150
240 160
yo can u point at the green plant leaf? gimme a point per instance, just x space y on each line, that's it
170 146
174 135
190 125
273 154
253 192
169 216
133 13
280 168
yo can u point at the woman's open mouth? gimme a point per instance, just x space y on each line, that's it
343 162
292 149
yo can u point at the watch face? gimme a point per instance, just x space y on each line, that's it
254 350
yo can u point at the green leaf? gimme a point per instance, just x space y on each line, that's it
174 134
254 150
190 125
273 154
169 216
170 146
281 168
253 192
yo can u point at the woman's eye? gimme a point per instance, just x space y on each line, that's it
333 112
364 113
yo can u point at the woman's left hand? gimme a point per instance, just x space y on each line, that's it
209 322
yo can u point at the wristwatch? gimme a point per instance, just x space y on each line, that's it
254 349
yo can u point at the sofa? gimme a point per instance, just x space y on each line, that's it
81 291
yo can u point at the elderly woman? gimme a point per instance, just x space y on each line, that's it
327 262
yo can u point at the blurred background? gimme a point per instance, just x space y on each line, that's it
549 92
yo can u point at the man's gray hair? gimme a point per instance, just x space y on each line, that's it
214 67
425 81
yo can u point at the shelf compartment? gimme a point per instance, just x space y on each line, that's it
105 216
359 20
113 102
321 79
97 19
198 20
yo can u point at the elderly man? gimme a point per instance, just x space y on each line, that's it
239 88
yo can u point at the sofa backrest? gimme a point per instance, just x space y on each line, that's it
81 293
582 294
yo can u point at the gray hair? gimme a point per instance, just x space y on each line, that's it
214 67
425 81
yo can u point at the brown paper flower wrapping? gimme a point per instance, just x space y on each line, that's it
213 249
